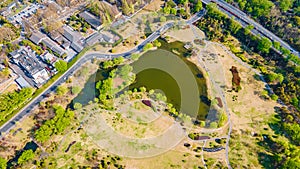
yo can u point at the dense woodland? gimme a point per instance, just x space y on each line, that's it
56 125
281 17
282 75
11 101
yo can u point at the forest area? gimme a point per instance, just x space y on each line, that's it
282 17
281 74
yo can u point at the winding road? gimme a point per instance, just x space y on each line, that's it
5 128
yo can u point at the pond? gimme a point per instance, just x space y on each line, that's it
158 79
153 78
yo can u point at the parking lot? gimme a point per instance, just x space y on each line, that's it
25 13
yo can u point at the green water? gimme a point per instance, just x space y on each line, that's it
158 79
153 78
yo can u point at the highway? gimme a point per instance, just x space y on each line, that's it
245 20
5 128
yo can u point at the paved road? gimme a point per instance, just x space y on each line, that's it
245 20
27 109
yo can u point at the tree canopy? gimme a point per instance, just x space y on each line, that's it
3 163
61 66
56 125
264 45
26 156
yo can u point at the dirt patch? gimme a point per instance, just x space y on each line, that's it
155 5
236 80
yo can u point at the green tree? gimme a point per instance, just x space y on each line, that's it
234 26
213 125
248 29
222 119
202 124
274 97
156 43
61 90
276 45
5 73
264 45
3 163
75 89
135 56
61 66
77 106
285 4
125 7
259 8
198 6
285 51
124 71
167 10
26 156
162 19
173 11
264 94
107 64
147 46
118 60
44 132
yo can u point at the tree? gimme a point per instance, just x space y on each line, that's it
3 163
26 156
61 66
167 10
135 56
75 89
107 64
162 19
213 125
5 73
274 77
61 90
125 7
77 106
147 46
276 45
222 119
259 8
118 60
143 89
274 97
248 29
156 43
285 4
234 26
173 11
264 45
264 94
198 6
202 124
84 29
124 71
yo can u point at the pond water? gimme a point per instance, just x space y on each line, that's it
153 78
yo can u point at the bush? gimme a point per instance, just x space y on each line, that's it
274 97
147 46
213 125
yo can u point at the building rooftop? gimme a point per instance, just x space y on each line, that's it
91 19
37 37
94 38
27 61
74 37
22 82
